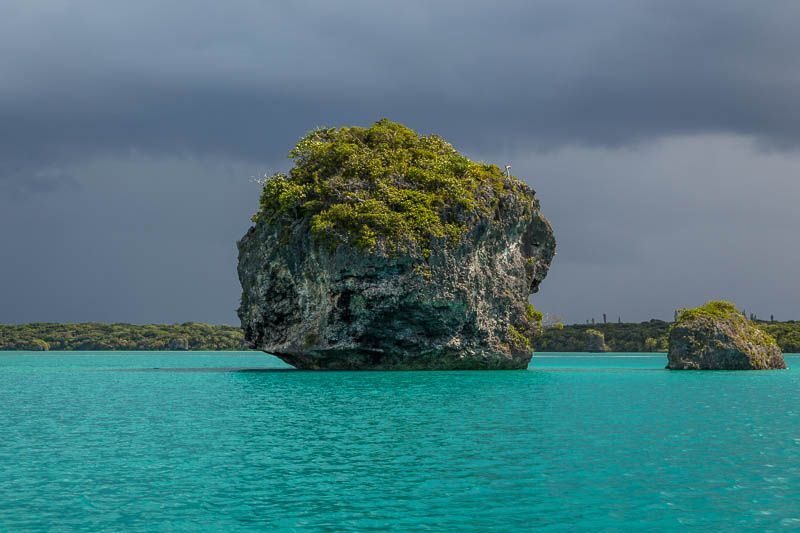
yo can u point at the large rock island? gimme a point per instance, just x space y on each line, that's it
384 249
716 336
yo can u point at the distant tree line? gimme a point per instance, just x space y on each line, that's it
787 334
650 336
110 337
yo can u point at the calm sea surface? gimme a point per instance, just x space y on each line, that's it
154 441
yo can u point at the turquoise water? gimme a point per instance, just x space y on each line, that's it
94 442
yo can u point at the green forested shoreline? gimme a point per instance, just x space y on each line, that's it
110 337
650 336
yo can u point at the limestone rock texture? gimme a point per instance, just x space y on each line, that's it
718 337
595 341
179 344
323 292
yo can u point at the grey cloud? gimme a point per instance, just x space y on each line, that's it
670 224
37 184
244 78
128 131
145 239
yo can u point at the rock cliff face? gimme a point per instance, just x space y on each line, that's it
179 344
717 337
595 341
353 276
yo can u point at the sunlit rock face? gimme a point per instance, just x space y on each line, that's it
717 337
327 285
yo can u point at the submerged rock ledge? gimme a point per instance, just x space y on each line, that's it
383 249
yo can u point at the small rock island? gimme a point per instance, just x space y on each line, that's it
595 341
388 250
716 336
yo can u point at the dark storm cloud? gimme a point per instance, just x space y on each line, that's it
128 131
241 78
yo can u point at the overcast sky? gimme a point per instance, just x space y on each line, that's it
662 139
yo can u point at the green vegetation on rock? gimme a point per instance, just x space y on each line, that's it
533 316
518 338
711 309
718 309
381 189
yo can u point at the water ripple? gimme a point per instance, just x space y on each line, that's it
205 442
